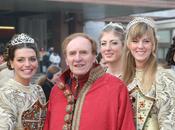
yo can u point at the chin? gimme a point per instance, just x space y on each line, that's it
80 74
28 76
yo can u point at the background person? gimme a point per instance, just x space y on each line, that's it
5 73
42 53
170 56
87 98
151 87
46 62
1 56
49 79
22 104
55 59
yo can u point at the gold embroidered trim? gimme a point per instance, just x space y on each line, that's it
137 88
94 74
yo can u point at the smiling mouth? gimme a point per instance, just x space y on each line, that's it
79 65
27 71
140 52
108 55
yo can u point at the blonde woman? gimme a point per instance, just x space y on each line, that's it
151 87
111 47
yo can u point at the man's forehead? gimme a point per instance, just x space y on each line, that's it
80 39
79 44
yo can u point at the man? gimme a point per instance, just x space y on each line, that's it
87 98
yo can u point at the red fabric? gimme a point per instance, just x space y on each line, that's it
106 107
80 82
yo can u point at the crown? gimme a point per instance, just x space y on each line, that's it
22 38
117 25
148 21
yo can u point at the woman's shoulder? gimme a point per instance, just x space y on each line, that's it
165 80
8 86
37 88
165 73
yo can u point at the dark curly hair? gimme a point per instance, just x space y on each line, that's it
170 54
10 49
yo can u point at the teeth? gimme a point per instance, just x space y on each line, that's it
27 71
79 65
140 52
108 54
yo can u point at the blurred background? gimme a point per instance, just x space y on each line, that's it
50 21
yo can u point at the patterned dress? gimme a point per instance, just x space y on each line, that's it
154 110
21 107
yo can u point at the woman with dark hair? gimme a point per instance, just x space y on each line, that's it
22 104
170 57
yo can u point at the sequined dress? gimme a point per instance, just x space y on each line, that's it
22 107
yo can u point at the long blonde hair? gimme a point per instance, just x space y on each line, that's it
136 31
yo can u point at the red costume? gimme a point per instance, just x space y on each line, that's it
102 103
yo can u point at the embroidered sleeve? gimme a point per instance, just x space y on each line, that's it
165 86
8 120
8 112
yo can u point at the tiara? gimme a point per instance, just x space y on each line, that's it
22 38
118 25
148 21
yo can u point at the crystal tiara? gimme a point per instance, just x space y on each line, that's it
118 25
148 21
22 38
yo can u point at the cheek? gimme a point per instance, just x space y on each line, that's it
129 46
150 49
102 49
37 64
118 48
68 61
94 59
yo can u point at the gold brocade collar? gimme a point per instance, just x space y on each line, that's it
17 85
74 107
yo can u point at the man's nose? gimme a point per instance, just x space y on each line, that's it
78 56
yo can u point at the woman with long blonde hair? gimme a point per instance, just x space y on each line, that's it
151 87
111 47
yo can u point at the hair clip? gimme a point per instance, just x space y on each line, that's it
136 20
21 39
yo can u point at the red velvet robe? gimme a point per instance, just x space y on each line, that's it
106 106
